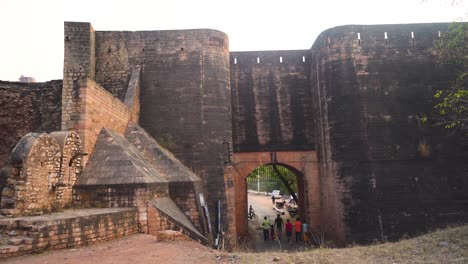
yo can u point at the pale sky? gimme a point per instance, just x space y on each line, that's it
32 30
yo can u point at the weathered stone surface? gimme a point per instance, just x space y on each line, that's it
356 102
272 101
32 191
184 185
185 94
67 229
27 107
369 97
168 211
115 161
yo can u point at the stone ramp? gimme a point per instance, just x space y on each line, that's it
68 229
169 210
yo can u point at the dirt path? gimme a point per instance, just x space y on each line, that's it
131 249
145 248
263 206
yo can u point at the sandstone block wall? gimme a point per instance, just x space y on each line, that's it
42 172
272 101
185 94
121 196
79 62
27 107
383 172
95 108
65 230
132 96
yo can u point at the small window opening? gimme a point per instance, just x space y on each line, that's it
386 39
235 60
359 38
258 59
412 34
181 49
386 36
303 58
439 33
109 50
281 59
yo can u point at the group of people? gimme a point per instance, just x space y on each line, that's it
300 229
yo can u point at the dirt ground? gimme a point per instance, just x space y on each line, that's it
146 249
131 249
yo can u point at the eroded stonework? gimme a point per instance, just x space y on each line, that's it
153 116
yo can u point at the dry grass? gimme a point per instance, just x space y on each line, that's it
444 246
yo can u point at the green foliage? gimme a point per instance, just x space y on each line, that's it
452 102
269 181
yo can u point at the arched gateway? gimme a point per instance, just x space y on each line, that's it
302 163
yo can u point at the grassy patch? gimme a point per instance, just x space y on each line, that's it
443 246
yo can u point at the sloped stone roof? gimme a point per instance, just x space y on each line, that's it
163 159
23 147
116 161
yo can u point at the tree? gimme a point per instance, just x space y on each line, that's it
452 102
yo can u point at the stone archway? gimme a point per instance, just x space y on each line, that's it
303 163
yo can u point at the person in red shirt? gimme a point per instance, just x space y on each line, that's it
298 229
289 228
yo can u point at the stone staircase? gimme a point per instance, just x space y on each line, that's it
16 238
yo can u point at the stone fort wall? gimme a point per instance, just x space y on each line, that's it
27 107
383 172
272 101
184 93
356 97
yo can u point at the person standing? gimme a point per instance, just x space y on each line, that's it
298 229
289 228
279 225
305 231
266 228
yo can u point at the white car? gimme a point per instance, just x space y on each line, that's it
276 194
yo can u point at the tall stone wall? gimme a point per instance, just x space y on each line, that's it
185 95
27 107
272 101
79 62
383 172
93 109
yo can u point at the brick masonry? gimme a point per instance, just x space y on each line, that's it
94 109
69 229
